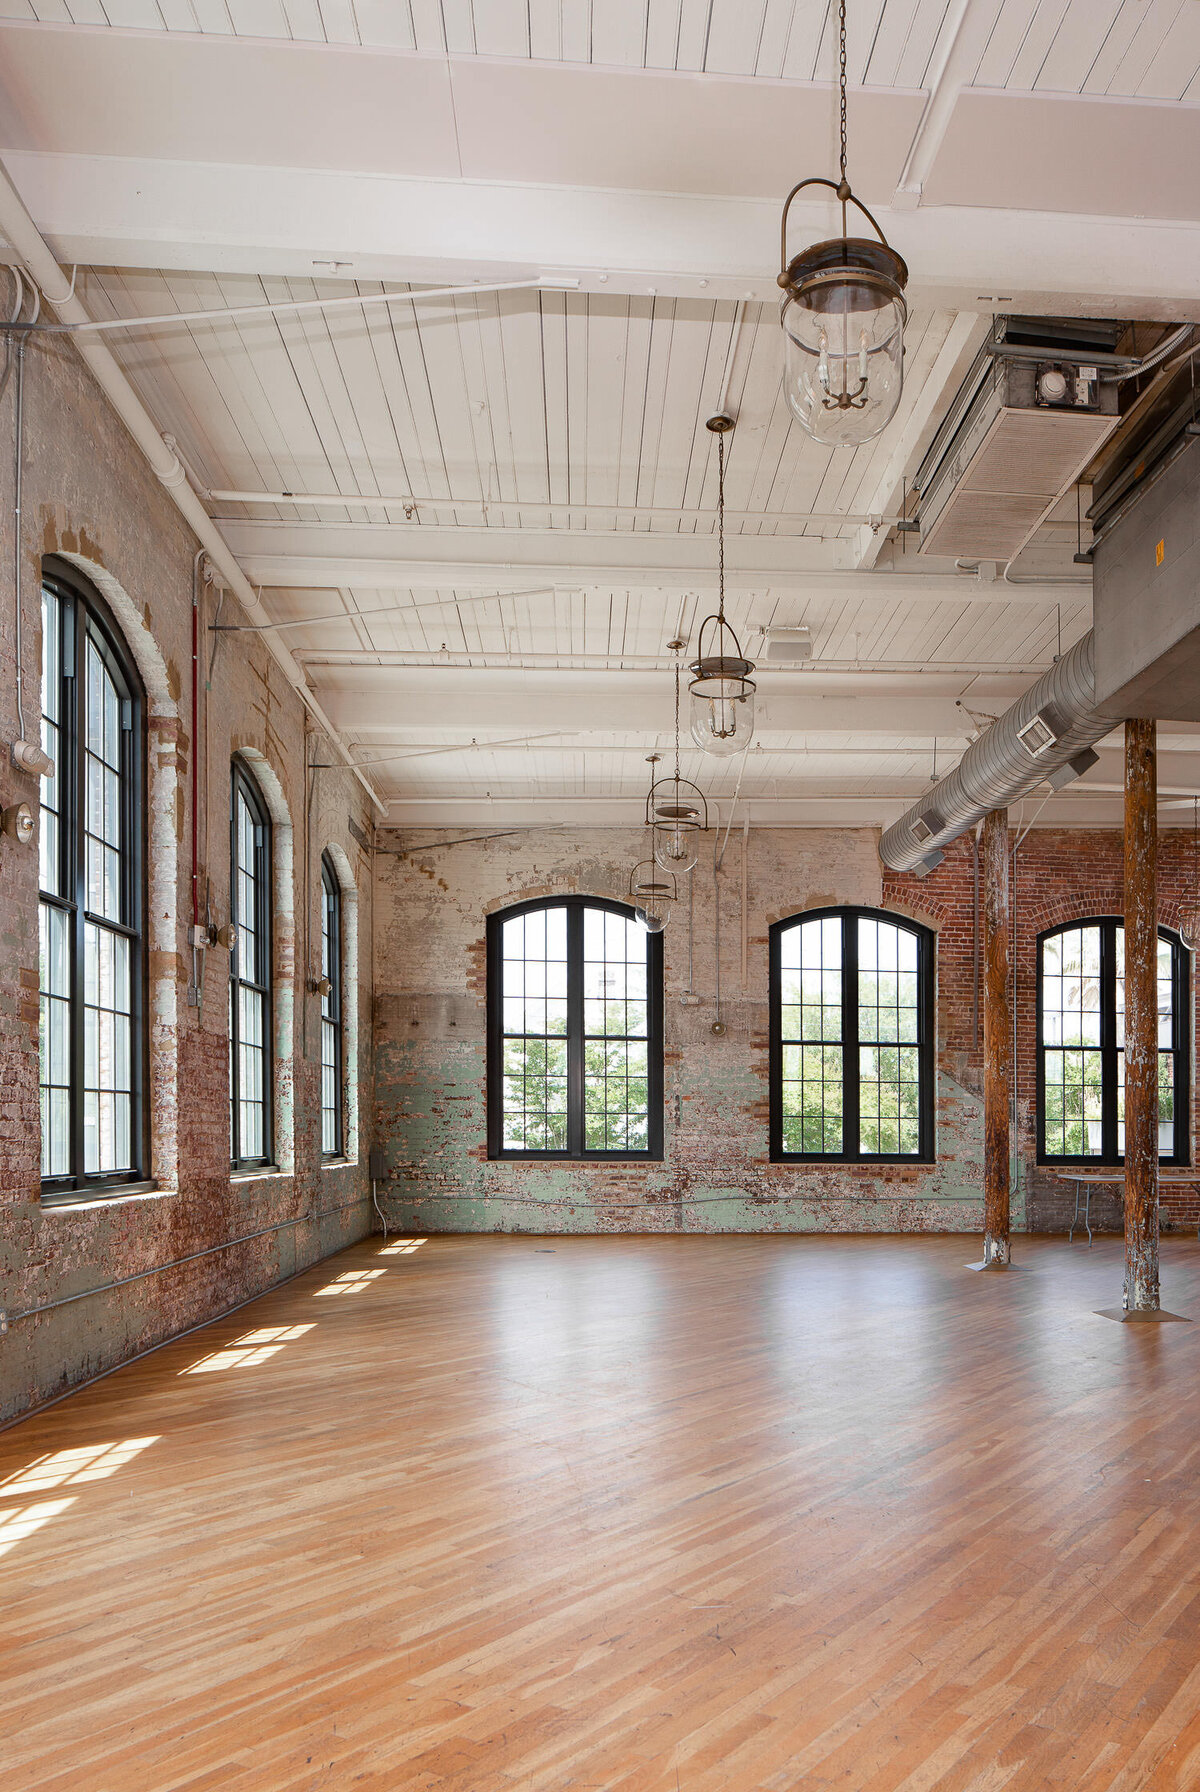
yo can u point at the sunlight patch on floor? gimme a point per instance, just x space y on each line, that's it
251 1348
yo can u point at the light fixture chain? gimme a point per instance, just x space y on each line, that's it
677 716
721 528
842 76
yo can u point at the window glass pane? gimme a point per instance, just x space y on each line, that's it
54 980
813 1063
49 847
888 1005
102 792
107 1055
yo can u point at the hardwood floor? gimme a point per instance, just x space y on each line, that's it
684 1513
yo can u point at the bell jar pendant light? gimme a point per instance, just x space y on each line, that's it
721 691
843 317
652 891
676 809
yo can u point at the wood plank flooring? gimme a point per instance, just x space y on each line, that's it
491 1513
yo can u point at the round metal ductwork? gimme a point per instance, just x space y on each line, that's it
1044 730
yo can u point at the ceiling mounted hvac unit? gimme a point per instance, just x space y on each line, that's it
1027 420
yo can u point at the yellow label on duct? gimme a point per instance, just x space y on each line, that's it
1158 553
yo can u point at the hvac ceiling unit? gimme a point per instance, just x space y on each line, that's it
1029 417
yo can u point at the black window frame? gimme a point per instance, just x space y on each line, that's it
1110 1052
926 1042
574 1036
331 1005
242 781
84 614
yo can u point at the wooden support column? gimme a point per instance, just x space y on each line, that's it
997 1042
1141 1019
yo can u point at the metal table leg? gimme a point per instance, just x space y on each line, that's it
1087 1211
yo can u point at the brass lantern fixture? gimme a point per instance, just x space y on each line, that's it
721 691
676 809
652 891
843 318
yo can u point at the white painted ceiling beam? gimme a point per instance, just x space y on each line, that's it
125 211
394 556
439 703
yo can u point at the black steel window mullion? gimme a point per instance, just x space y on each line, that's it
851 1130
926 1058
80 622
331 899
1039 1051
1110 1057
76 882
1181 1037
576 1128
262 979
235 978
848 920
575 1039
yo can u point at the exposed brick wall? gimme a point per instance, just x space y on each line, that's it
1058 876
715 1176
89 496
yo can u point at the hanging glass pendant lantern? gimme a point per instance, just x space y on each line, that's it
843 318
676 809
721 691
652 892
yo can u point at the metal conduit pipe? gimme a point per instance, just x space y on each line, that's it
999 768
22 233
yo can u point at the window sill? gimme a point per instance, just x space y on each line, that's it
339 1163
119 1195
260 1173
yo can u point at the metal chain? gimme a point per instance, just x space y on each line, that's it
677 715
842 75
721 528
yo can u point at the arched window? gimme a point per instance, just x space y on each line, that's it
250 1056
333 1133
91 908
1081 1044
852 1070
574 1031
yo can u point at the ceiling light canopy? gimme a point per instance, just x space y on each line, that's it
721 690
843 317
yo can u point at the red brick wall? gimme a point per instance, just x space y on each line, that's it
1058 876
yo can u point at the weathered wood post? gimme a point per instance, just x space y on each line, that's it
1141 1019
997 1042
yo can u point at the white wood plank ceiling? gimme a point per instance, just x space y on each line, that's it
527 490
1129 48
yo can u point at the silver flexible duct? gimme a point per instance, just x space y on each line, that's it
999 768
